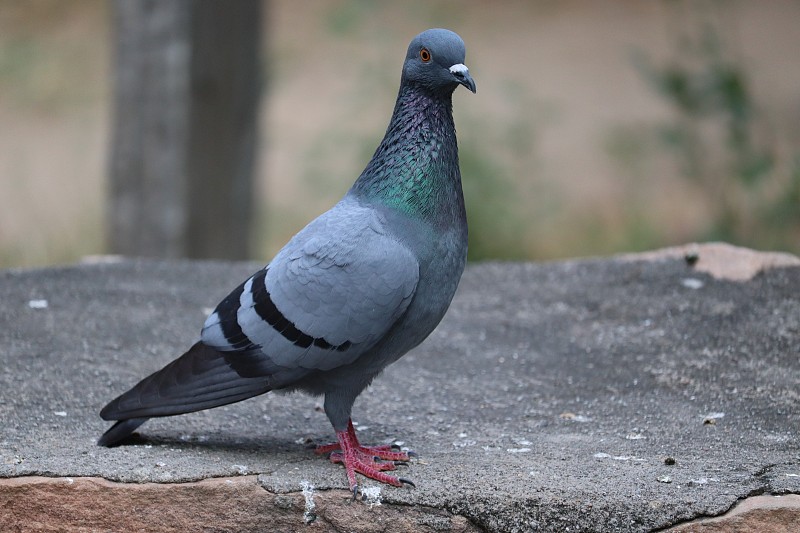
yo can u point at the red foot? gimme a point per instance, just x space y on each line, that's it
366 460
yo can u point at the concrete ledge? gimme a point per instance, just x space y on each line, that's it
622 394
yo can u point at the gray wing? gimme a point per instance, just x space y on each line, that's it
334 291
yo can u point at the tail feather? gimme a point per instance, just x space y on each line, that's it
199 379
120 431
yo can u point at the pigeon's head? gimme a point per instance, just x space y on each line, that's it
435 60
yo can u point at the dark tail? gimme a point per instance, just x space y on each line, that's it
120 431
199 379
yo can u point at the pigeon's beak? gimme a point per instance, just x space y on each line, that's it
461 73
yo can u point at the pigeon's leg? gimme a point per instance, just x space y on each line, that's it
365 460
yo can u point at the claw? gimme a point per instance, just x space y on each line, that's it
406 481
355 492
412 453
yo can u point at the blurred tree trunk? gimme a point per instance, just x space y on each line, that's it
185 117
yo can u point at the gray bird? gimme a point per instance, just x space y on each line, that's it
352 292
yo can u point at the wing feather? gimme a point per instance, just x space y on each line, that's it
333 291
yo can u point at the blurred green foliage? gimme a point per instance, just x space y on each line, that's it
720 138
492 210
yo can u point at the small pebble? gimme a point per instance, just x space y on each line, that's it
692 283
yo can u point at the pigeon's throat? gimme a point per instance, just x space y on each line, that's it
415 168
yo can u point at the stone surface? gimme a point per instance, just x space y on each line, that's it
220 504
621 394
722 260
762 514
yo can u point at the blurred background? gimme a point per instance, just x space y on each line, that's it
598 126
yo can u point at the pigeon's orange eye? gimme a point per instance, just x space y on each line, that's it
424 55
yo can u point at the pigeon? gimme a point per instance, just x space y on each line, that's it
352 292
